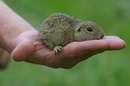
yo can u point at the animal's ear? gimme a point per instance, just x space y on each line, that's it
78 28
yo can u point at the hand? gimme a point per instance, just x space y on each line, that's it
29 48
22 40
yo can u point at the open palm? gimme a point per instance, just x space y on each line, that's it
29 48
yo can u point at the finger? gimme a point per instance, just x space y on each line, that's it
23 50
83 50
107 43
86 56
114 42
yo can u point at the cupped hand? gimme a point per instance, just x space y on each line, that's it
28 47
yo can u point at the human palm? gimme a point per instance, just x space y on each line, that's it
29 48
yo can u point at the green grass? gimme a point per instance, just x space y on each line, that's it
111 68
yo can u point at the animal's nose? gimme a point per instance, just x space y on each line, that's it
102 36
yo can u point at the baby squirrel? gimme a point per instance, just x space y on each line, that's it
59 29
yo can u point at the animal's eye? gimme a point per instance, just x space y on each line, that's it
89 29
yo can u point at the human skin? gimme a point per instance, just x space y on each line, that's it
21 40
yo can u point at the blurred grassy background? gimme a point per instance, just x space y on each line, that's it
107 69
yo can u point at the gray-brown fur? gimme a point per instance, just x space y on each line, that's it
60 29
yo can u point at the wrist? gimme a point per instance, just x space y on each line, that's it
10 42
11 26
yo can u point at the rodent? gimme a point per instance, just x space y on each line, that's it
59 29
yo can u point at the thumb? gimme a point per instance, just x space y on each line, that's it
22 50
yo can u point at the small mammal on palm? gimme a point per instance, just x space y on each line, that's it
59 29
